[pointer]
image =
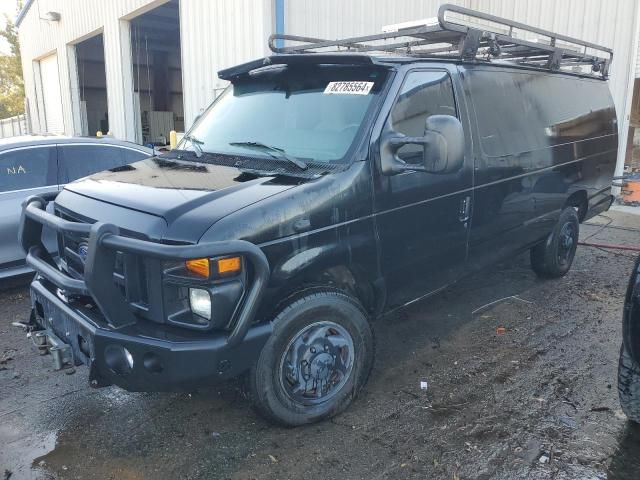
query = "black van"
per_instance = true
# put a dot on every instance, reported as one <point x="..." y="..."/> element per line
<point x="323" y="189"/>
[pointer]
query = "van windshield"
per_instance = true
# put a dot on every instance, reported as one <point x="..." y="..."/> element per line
<point x="311" y="113"/>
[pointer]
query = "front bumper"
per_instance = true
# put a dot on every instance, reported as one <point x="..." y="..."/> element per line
<point x="163" y="358"/>
<point x="119" y="348"/>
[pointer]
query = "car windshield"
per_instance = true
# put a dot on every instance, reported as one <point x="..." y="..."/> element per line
<point x="311" y="113"/>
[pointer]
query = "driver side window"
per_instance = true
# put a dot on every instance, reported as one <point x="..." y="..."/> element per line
<point x="423" y="94"/>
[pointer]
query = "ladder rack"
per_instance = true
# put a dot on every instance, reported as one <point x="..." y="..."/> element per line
<point x="471" y="36"/>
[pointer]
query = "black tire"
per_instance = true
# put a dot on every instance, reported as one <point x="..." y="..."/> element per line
<point x="553" y="257"/>
<point x="629" y="385"/>
<point x="304" y="330"/>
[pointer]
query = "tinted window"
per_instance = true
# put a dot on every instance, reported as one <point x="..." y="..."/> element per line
<point x="521" y="112"/>
<point x="569" y="109"/>
<point x="27" y="168"/>
<point x="505" y="121"/>
<point x="296" y="110"/>
<point x="423" y="94"/>
<point x="78" y="161"/>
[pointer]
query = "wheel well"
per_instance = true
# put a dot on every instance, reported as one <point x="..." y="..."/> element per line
<point x="580" y="201"/>
<point x="343" y="278"/>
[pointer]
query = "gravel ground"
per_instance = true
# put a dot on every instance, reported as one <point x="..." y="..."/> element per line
<point x="538" y="401"/>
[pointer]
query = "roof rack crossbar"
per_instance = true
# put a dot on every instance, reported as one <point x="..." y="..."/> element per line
<point x="474" y="42"/>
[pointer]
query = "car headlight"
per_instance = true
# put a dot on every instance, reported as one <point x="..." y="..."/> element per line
<point x="200" y="302"/>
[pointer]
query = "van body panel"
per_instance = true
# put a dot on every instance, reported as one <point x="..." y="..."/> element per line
<point x="419" y="216"/>
<point x="310" y="228"/>
<point x="542" y="139"/>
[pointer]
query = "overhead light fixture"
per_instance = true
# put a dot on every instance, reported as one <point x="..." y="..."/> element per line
<point x="51" y="17"/>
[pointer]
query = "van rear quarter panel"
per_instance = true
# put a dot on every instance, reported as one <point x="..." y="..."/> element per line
<point x="540" y="138"/>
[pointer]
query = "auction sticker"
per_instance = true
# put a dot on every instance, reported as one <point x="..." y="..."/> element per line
<point x="349" y="88"/>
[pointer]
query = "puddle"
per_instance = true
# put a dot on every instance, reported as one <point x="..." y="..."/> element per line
<point x="20" y="454"/>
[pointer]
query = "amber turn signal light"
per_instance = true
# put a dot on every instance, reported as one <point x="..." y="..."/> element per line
<point x="229" y="265"/>
<point x="199" y="266"/>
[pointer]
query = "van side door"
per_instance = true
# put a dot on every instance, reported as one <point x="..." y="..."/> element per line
<point x="504" y="214"/>
<point x="422" y="218"/>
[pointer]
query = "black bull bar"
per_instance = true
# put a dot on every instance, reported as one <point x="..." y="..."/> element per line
<point x="104" y="241"/>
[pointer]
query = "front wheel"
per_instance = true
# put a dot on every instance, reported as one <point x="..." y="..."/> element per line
<point x="553" y="257"/>
<point x="315" y="362"/>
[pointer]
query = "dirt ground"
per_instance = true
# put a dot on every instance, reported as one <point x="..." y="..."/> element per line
<point x="537" y="402"/>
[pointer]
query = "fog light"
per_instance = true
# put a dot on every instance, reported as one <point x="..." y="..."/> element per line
<point x="118" y="359"/>
<point x="200" y="301"/>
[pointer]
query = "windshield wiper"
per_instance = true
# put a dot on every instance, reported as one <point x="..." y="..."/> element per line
<point x="279" y="152"/>
<point x="197" y="144"/>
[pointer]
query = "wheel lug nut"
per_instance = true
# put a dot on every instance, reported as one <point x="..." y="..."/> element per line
<point x="326" y="348"/>
<point x="313" y="349"/>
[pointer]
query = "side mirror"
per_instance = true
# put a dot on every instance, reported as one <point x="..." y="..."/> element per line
<point x="442" y="148"/>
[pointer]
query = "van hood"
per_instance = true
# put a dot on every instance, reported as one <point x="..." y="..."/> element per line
<point x="189" y="196"/>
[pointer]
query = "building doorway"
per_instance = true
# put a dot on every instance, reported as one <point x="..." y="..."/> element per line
<point x="92" y="86"/>
<point x="157" y="74"/>
<point x="51" y="96"/>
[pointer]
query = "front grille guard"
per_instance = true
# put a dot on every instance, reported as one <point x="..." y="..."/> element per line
<point x="105" y="241"/>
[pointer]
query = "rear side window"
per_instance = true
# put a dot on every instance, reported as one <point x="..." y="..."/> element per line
<point x="570" y="109"/>
<point x="78" y="161"/>
<point x="505" y="120"/>
<point x="523" y="112"/>
<point x="131" y="156"/>
<point x="423" y="94"/>
<point x="27" y="168"/>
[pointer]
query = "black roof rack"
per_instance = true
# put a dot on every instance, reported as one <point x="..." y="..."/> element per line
<point x="487" y="37"/>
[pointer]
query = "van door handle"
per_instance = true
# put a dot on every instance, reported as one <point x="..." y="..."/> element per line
<point x="465" y="209"/>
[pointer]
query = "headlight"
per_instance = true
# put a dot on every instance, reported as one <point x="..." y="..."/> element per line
<point x="200" y="302"/>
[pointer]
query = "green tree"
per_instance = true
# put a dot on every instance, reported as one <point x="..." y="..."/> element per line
<point x="11" y="82"/>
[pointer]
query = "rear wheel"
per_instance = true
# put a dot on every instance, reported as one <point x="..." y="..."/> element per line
<point x="629" y="385"/>
<point x="315" y="362"/>
<point x="553" y="257"/>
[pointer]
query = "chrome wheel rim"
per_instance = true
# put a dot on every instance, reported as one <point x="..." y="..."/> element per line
<point x="317" y="363"/>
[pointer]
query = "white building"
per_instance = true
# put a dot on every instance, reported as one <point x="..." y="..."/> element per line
<point x="138" y="67"/>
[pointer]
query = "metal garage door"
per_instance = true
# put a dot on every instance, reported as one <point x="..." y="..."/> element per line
<point x="51" y="94"/>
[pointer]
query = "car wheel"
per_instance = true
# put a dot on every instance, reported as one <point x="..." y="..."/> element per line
<point x="629" y="385"/>
<point x="315" y="362"/>
<point x="553" y="257"/>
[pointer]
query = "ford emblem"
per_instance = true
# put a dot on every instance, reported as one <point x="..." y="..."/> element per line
<point x="83" y="251"/>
